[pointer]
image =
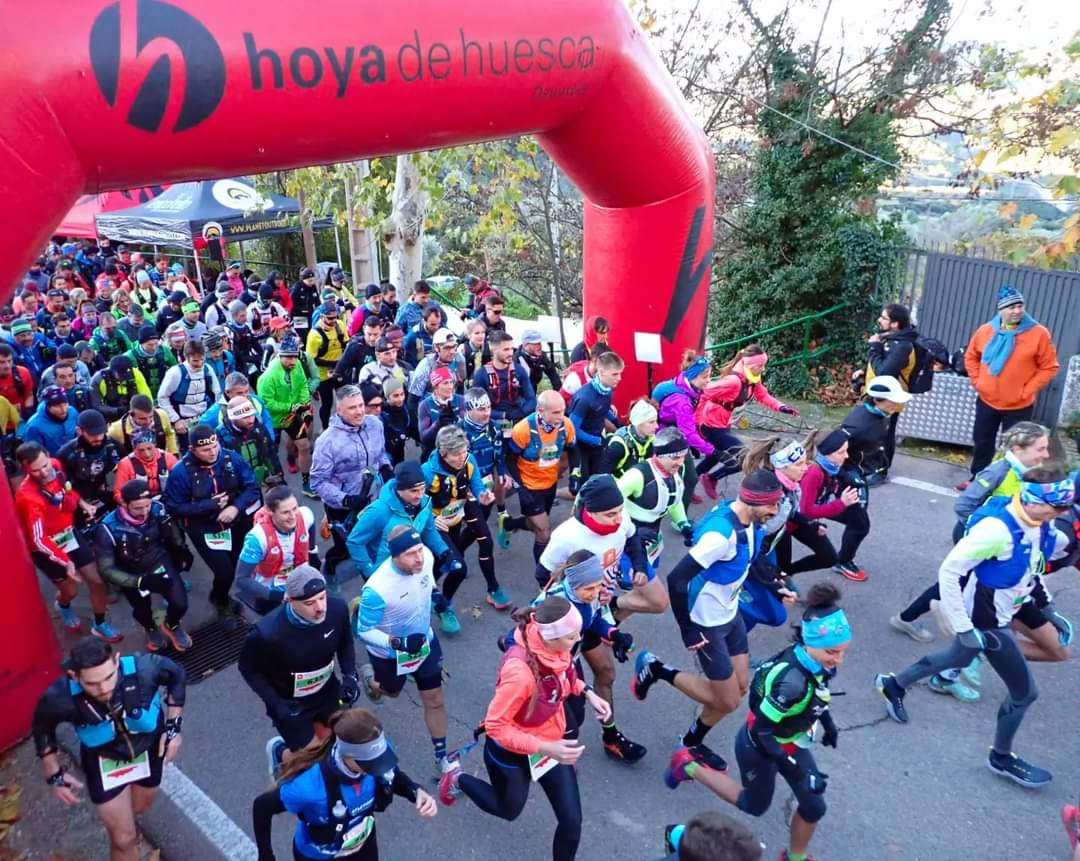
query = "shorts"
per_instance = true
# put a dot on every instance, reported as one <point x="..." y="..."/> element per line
<point x="57" y="573"/>
<point x="298" y="727"/>
<point x="296" y="425"/>
<point x="1030" y="616"/>
<point x="725" y="641"/>
<point x="536" y="502"/>
<point x="626" y="572"/>
<point x="91" y="766"/>
<point x="428" y="675"/>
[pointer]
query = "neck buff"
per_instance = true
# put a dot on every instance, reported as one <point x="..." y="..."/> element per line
<point x="297" y="619"/>
<point x="598" y="528"/>
<point x="875" y="410"/>
<point x="123" y="512"/>
<point x="829" y="467"/>
<point x="600" y="387"/>
<point x="1014" y="463"/>
<point x="545" y="426"/>
<point x="785" y="482"/>
<point x="828" y="632"/>
<point x="339" y="762"/>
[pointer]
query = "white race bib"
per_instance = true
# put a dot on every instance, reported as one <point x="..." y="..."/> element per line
<point x="549" y="456"/>
<point x="407" y="663"/>
<point x="219" y="540"/>
<point x="312" y="681"/>
<point x="120" y="772"/>
<point x="353" y="840"/>
<point x="653" y="549"/>
<point x="66" y="540"/>
<point x="453" y="512"/>
<point x="540" y="764"/>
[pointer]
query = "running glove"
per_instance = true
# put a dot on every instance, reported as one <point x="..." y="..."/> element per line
<point x="816" y="781"/>
<point x="831" y="733"/>
<point x="788" y="410"/>
<point x="621" y="644"/>
<point x="1063" y="625"/>
<point x="574" y="482"/>
<point x="350" y="688"/>
<point x="155" y="582"/>
<point x="686" y="529"/>
<point x="410" y="643"/>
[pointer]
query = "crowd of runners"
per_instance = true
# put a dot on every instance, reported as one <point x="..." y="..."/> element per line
<point x="149" y="420"/>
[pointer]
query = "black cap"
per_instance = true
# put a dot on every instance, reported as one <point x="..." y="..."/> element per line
<point x="66" y="351"/>
<point x="372" y="290"/>
<point x="382" y="345"/>
<point x="369" y="391"/>
<point x="147" y="333"/>
<point x="600" y="493"/>
<point x="120" y="365"/>
<point x="177" y="296"/>
<point x="136" y="488"/>
<point x="91" y="421"/>
<point x="409" y="474"/>
<point x="201" y="434"/>
<point x="833" y="441"/>
<point x="306" y="273"/>
<point x="266" y="291"/>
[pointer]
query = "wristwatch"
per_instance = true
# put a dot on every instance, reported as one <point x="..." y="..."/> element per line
<point x="56" y="779"/>
<point x="172" y="726"/>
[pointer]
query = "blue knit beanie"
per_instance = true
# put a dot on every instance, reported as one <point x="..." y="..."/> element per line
<point x="1007" y="296"/>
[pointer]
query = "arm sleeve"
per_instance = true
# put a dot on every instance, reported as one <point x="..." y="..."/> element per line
<point x="630" y="483"/>
<point x="106" y="559"/>
<point x="251" y="554"/>
<point x="263" y="810"/>
<point x="372" y="608"/>
<point x="514" y="689"/>
<point x="679" y="592"/>
<point x="251" y="668"/>
<point x="51" y="711"/>
<point x="987" y="539"/>
<point x="763" y="397"/>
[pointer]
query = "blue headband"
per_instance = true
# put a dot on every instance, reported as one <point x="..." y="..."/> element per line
<point x="584" y="573"/>
<point x="405" y="541"/>
<point x="700" y="364"/>
<point x="1056" y="493"/>
<point x="827" y="632"/>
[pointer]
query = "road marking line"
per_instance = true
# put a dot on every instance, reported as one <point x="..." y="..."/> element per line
<point x="923" y="485"/>
<point x="207" y="817"/>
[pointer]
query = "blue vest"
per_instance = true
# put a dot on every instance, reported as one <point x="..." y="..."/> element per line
<point x="317" y="833"/>
<point x="137" y="719"/>
<point x="532" y="450"/>
<point x="1006" y="573"/>
<point x="735" y="568"/>
<point x="179" y="396"/>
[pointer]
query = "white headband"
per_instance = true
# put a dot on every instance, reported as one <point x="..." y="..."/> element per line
<point x="790" y="454"/>
<point x="568" y="624"/>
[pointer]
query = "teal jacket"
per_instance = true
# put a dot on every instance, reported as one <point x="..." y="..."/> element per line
<point x="368" y="539"/>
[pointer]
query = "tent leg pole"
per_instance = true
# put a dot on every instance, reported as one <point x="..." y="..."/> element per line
<point x="243" y="260"/>
<point x="337" y="243"/>
<point x="198" y="270"/>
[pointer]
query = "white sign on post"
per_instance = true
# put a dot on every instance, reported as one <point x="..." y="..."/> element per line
<point x="647" y="347"/>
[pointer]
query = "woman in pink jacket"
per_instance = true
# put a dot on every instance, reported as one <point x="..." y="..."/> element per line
<point x="738" y="382"/>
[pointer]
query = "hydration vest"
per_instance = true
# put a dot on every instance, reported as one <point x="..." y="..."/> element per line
<point x="651" y="504"/>
<point x="152" y="367"/>
<point x="532" y="450"/>
<point x="324" y="345"/>
<point x="118" y="393"/>
<point x="158" y="478"/>
<point x="95" y="730"/>
<point x="179" y="396"/>
<point x="138" y="548"/>
<point x="1006" y="573"/>
<point x="743" y="558"/>
<point x="634" y="451"/>
<point x="344" y="832"/>
<point x="547" y="698"/>
<point x="272" y="560"/>
<point x="495" y="391"/>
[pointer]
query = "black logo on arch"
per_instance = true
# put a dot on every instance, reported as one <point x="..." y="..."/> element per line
<point x="203" y="72"/>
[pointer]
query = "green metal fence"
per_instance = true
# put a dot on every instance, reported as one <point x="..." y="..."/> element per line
<point x="805" y="355"/>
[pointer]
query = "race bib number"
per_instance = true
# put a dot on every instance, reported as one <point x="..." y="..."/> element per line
<point x="654" y="548"/>
<point x="282" y="577"/>
<point x="354" y="839"/>
<point x="66" y="540"/>
<point x="121" y="772"/>
<point x="549" y="456"/>
<point x="300" y="322"/>
<point x="219" y="540"/>
<point x="407" y="663"/>
<point x="489" y="482"/>
<point x="540" y="764"/>
<point x="453" y="512"/>
<point x="507" y="428"/>
<point x="311" y="682"/>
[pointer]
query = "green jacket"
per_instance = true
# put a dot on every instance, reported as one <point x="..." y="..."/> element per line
<point x="280" y="390"/>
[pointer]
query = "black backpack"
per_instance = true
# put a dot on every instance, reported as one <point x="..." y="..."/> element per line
<point x="927" y="352"/>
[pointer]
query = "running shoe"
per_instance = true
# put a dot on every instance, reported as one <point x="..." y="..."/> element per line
<point x="695" y="499"/>
<point x="499" y="599"/>
<point x="502" y="534"/>
<point x="1070" y="818"/>
<point x="672" y="834"/>
<point x="448" y="782"/>
<point x="675" y="773"/>
<point x="889" y="688"/>
<point x="851" y="571"/>
<point x="306" y="489"/>
<point x="913" y="629"/>
<point x="708" y="483"/>
<point x="785" y="857"/>
<point x="449" y="621"/>
<point x="1011" y="766"/>
<point x="155" y="640"/>
<point x="290" y="462"/>
<point x="180" y="639"/>
<point x="618" y="746"/>
<point x="275" y="750"/>
<point x="229" y="615"/>
<point x="68" y="616"/>
<point x="643" y="677"/>
<point x="972" y="673"/>
<point x="106" y="632"/>
<point x="939" y="684"/>
<point x="709" y="757"/>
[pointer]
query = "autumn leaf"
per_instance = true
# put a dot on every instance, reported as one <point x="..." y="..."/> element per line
<point x="1027" y="220"/>
<point x="980" y="157"/>
<point x="1007" y="210"/>
<point x="1064" y="137"/>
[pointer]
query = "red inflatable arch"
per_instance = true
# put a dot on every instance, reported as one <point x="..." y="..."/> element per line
<point x="147" y="91"/>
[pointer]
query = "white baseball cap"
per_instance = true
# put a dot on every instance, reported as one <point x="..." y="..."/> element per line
<point x="443" y="336"/>
<point x="888" y="389"/>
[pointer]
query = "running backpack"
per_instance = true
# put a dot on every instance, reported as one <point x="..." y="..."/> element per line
<point x="927" y="352"/>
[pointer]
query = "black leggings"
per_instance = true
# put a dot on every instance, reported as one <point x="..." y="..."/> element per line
<point x="921" y="605"/>
<point x="856" y="527"/>
<point x="174" y="593"/>
<point x="1004" y="655"/>
<point x="508" y="791"/>
<point x="823" y="556"/>
<point x="326" y="401"/>
<point x="473" y="527"/>
<point x="759" y="772"/>
<point x="727" y="453"/>
<point x="222" y="563"/>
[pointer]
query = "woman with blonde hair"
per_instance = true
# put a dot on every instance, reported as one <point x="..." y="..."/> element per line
<point x="335" y="789"/>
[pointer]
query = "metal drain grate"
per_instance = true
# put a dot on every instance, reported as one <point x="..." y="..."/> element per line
<point x="214" y="648"/>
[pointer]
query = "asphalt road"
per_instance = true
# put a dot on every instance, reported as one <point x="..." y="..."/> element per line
<point x="919" y="792"/>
